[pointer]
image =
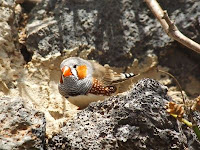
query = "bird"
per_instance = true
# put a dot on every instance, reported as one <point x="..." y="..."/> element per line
<point x="85" y="81"/>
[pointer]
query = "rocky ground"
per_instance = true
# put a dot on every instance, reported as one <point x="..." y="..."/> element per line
<point x="36" y="37"/>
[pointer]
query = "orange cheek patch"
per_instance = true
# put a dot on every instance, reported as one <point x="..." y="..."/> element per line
<point x="66" y="71"/>
<point x="82" y="71"/>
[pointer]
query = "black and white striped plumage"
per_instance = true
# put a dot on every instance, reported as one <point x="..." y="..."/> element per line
<point x="84" y="81"/>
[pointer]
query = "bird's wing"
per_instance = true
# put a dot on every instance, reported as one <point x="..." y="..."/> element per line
<point x="107" y="76"/>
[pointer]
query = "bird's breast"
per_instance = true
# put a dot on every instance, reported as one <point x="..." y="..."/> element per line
<point x="82" y="101"/>
<point x="72" y="86"/>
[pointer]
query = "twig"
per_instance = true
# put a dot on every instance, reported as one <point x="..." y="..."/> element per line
<point x="169" y="27"/>
<point x="179" y="86"/>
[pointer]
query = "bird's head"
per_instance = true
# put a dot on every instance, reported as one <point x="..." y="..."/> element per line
<point x="73" y="67"/>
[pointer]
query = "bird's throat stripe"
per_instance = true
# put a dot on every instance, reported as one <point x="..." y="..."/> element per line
<point x="61" y="80"/>
<point x="82" y="71"/>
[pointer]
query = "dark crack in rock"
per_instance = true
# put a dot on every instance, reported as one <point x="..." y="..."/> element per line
<point x="20" y="127"/>
<point x="135" y="120"/>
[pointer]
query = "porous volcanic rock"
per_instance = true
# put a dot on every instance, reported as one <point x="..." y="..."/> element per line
<point x="133" y="120"/>
<point x="123" y="29"/>
<point x="20" y="127"/>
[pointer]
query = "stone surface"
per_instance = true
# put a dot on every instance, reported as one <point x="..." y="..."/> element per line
<point x="11" y="59"/>
<point x="18" y="79"/>
<point x="21" y="127"/>
<point x="119" y="33"/>
<point x="124" y="29"/>
<point x="133" y="120"/>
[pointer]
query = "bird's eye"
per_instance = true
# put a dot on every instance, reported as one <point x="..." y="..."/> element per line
<point x="74" y="66"/>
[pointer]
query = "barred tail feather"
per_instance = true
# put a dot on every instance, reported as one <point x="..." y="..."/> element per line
<point x="122" y="77"/>
<point x="127" y="75"/>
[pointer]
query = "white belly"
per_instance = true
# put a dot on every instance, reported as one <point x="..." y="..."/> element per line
<point x="83" y="101"/>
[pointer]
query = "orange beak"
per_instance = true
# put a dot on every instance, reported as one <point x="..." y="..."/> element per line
<point x="66" y="71"/>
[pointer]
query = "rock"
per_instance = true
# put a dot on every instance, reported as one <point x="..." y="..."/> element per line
<point x="124" y="29"/>
<point x="112" y="32"/>
<point x="6" y="17"/>
<point x="11" y="59"/>
<point x="133" y="120"/>
<point x="20" y="127"/>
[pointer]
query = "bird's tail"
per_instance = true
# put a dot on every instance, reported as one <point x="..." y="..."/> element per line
<point x="122" y="77"/>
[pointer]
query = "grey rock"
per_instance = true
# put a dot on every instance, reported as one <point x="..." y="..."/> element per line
<point x="8" y="3"/>
<point x="123" y="29"/>
<point x="20" y="127"/>
<point x="135" y="120"/>
<point x="6" y="20"/>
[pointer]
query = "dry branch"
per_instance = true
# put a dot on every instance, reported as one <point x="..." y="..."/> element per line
<point x="169" y="27"/>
